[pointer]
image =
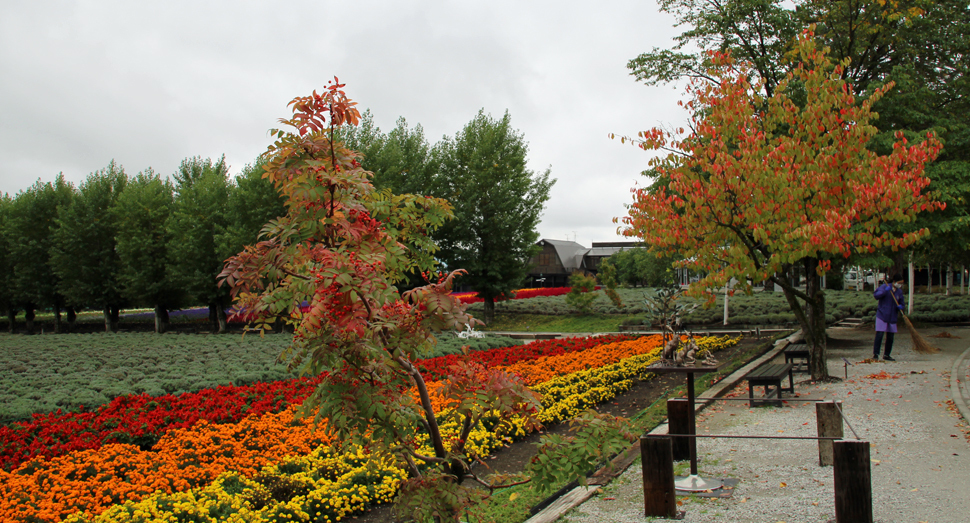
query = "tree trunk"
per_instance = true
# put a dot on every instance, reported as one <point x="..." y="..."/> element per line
<point x="949" y="280"/>
<point x="929" y="279"/>
<point x="57" y="319"/>
<point x="71" y="319"/>
<point x="213" y="319"/>
<point x="221" y="317"/>
<point x="161" y="319"/>
<point x="111" y="313"/>
<point x="29" y="316"/>
<point x="815" y="329"/>
<point x="811" y="316"/>
<point x="489" y="310"/>
<point x="11" y="319"/>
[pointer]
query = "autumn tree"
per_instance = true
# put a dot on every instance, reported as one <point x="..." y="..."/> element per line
<point x="342" y="247"/>
<point x="919" y="45"/>
<point x="762" y="183"/>
<point x="498" y="203"/>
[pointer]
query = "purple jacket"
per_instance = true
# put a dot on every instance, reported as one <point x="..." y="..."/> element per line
<point x="887" y="310"/>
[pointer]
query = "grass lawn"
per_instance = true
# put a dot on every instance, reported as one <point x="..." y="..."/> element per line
<point x="559" y="322"/>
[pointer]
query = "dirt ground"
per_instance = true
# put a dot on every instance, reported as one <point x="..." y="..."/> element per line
<point x="514" y="457"/>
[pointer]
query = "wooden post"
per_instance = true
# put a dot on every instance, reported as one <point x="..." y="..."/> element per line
<point x="678" y="422"/>
<point x="656" y="454"/>
<point x="853" y="482"/>
<point x="829" y="423"/>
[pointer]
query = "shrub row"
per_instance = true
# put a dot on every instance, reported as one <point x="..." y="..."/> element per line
<point x="69" y="371"/>
<point x="764" y="308"/>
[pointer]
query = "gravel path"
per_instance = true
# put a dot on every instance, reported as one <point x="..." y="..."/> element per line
<point x="920" y="445"/>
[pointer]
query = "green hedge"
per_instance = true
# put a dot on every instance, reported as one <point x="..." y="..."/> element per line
<point x="761" y="308"/>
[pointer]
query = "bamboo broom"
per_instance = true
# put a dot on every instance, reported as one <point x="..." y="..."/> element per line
<point x="920" y="344"/>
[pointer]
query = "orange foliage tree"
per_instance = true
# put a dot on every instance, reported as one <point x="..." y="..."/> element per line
<point x="342" y="248"/>
<point x="761" y="184"/>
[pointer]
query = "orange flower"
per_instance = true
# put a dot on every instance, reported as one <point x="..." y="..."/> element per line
<point x="94" y="480"/>
<point x="547" y="367"/>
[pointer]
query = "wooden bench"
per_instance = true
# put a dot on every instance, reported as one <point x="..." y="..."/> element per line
<point x="769" y="377"/>
<point x="797" y="351"/>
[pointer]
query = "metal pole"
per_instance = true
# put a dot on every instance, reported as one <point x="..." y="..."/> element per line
<point x="693" y="422"/>
<point x="726" y="296"/>
<point x="912" y="283"/>
<point x="838" y="406"/>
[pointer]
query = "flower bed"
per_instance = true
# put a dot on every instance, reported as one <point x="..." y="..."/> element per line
<point x="323" y="486"/>
<point x="141" y="419"/>
<point x="520" y="294"/>
<point x="188" y="471"/>
<point x="567" y="395"/>
<point x="436" y="368"/>
<point x="547" y="367"/>
<point x="93" y="480"/>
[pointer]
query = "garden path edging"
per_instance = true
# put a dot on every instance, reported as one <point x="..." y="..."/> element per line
<point x="580" y="494"/>
<point x="959" y="389"/>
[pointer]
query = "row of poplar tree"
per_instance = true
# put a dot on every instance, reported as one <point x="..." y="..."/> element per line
<point x="148" y="240"/>
<point x="118" y="240"/>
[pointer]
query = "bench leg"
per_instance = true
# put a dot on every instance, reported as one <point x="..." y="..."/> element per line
<point x="791" y="382"/>
<point x="772" y="394"/>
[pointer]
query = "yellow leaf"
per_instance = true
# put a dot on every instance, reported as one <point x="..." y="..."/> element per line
<point x="783" y="484"/>
<point x="513" y="496"/>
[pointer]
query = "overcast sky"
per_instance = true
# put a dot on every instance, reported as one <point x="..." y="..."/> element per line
<point x="148" y="84"/>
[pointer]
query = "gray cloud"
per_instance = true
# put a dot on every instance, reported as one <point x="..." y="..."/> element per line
<point x="151" y="84"/>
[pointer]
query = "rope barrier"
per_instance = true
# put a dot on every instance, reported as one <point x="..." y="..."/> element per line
<point x="732" y="436"/>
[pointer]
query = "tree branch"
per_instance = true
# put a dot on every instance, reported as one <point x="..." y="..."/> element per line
<point x="491" y="487"/>
<point x="433" y="430"/>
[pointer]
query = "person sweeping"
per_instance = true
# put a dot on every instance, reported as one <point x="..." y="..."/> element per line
<point x="887" y="315"/>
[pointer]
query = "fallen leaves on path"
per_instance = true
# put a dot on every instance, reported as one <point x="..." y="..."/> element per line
<point x="882" y="375"/>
